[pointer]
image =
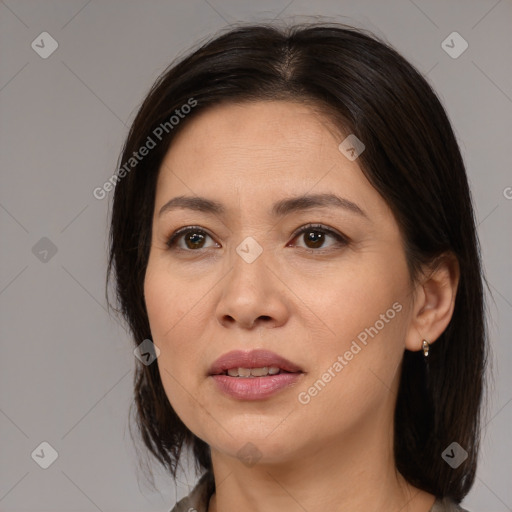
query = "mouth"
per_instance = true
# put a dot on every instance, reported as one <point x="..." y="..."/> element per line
<point x="254" y="375"/>
<point x="250" y="373"/>
<point x="252" y="364"/>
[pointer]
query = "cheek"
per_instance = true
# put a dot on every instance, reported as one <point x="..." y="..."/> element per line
<point x="175" y="329"/>
<point x="170" y="314"/>
<point x="345" y="299"/>
<point x="365" y="309"/>
<point x="357" y="374"/>
<point x="172" y="300"/>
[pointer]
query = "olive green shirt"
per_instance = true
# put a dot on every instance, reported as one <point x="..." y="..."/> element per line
<point x="199" y="497"/>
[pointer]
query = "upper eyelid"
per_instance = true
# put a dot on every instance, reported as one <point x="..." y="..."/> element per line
<point x="318" y="226"/>
<point x="175" y="235"/>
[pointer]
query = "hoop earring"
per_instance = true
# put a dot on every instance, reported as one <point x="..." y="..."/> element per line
<point x="426" y="347"/>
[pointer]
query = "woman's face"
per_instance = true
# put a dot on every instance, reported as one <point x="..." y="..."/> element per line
<point x="244" y="278"/>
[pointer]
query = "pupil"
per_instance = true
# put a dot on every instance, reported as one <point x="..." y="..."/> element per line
<point x="319" y="238"/>
<point x="197" y="237"/>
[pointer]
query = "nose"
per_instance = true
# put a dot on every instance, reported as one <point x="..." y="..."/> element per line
<point x="252" y="295"/>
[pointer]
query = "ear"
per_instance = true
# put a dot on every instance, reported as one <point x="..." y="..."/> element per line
<point x="434" y="301"/>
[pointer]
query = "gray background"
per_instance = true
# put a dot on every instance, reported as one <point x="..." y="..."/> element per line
<point x="66" y="366"/>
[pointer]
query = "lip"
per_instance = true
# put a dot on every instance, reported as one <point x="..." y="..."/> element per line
<point x="251" y="359"/>
<point x="253" y="388"/>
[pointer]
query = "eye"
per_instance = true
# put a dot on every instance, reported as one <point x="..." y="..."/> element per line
<point x="315" y="236"/>
<point x="192" y="236"/>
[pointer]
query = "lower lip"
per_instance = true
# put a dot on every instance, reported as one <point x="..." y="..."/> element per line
<point x="255" y="388"/>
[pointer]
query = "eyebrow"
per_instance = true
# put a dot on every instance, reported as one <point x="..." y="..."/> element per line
<point x="279" y="209"/>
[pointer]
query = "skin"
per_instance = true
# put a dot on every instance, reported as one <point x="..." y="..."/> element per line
<point x="304" y="301"/>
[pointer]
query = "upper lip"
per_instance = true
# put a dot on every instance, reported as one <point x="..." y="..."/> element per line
<point x="251" y="359"/>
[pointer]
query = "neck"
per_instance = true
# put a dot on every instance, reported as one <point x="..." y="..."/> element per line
<point x="354" y="473"/>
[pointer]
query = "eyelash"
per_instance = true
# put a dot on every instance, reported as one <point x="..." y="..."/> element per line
<point x="340" y="239"/>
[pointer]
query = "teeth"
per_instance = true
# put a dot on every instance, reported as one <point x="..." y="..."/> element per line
<point x="253" y="372"/>
<point x="244" y="372"/>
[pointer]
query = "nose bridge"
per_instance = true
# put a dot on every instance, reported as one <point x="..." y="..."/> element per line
<point x="249" y="265"/>
<point x="250" y="250"/>
<point x="250" y="290"/>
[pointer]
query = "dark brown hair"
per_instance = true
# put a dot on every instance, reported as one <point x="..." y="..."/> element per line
<point x="411" y="158"/>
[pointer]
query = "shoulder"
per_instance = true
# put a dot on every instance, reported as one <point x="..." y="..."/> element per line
<point x="446" y="505"/>
<point x="197" y="499"/>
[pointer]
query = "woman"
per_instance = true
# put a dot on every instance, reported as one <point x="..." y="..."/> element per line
<point x="292" y="229"/>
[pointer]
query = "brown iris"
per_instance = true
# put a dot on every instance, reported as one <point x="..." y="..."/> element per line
<point x="195" y="237"/>
<point x="315" y="237"/>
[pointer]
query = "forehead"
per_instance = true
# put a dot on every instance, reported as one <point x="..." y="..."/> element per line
<point x="266" y="128"/>
<point x="262" y="119"/>
<point x="265" y="149"/>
